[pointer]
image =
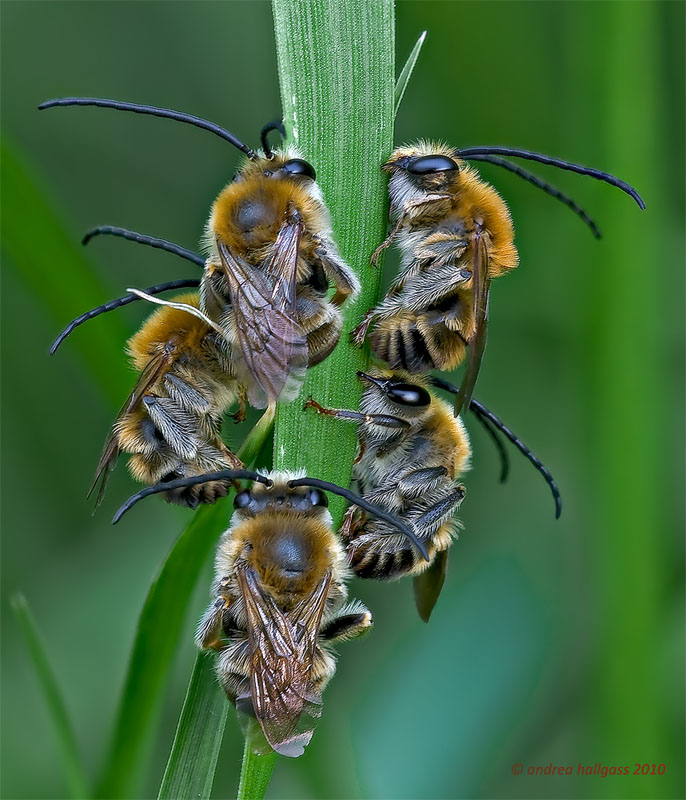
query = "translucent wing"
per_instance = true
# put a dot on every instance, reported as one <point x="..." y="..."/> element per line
<point x="272" y="344"/>
<point x="152" y="372"/>
<point x="477" y="342"/>
<point x="282" y="647"/>
<point x="428" y="585"/>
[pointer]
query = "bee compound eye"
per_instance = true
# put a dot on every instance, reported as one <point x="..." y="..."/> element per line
<point x="407" y="394"/>
<point x="318" y="498"/>
<point x="242" y="499"/>
<point x="296" y="166"/>
<point x="425" y="165"/>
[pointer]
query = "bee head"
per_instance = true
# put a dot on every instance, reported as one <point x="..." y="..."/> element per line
<point x="399" y="394"/>
<point x="278" y="497"/>
<point x="423" y="168"/>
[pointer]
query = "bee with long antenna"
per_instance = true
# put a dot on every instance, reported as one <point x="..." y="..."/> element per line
<point x="271" y="257"/>
<point x="279" y="599"/>
<point x="455" y="235"/>
<point x="171" y="422"/>
<point x="412" y="451"/>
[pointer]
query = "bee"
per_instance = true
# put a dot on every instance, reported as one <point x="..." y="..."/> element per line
<point x="412" y="451"/>
<point x="279" y="600"/>
<point x="171" y="422"/>
<point x="270" y="259"/>
<point x="455" y="235"/>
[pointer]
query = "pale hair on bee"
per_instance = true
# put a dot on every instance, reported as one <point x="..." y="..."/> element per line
<point x="271" y="259"/>
<point x="279" y="599"/>
<point x="455" y="234"/>
<point x="412" y="451"/>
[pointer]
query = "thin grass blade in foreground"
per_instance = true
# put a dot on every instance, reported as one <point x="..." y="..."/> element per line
<point x="193" y="758"/>
<point x="406" y="73"/>
<point x="157" y="636"/>
<point x="75" y="774"/>
<point x="190" y="771"/>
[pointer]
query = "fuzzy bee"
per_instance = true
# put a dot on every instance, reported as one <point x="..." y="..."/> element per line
<point x="171" y="422"/>
<point x="455" y="235"/>
<point x="412" y="451"/>
<point x="271" y="257"/>
<point x="279" y="600"/>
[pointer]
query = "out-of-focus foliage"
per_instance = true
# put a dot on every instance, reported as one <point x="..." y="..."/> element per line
<point x="554" y="642"/>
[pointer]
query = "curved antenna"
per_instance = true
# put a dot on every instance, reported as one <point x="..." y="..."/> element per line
<point x="482" y="411"/>
<point x="554" y="162"/>
<point x="182" y="483"/>
<point x="499" y="446"/>
<point x="118" y="303"/>
<point x="548" y="188"/>
<point x="154" y="111"/>
<point x="141" y="238"/>
<point x="277" y="125"/>
<point x="366" y="505"/>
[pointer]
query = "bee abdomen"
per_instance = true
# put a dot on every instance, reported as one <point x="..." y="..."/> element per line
<point x="401" y="345"/>
<point x="369" y="560"/>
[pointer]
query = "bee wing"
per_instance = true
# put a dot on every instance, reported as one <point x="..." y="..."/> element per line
<point x="272" y="344"/>
<point x="282" y="648"/>
<point x="428" y="584"/>
<point x="477" y="342"/>
<point x="152" y="372"/>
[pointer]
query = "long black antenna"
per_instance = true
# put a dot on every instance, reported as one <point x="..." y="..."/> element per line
<point x="554" y="162"/>
<point x="548" y="188"/>
<point x="497" y="441"/>
<point x="182" y="483"/>
<point x="141" y="238"/>
<point x="154" y="111"/>
<point x="482" y="411"/>
<point x="366" y="505"/>
<point x="118" y="303"/>
<point x="277" y="125"/>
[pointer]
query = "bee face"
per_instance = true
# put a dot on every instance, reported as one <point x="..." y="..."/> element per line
<point x="279" y="498"/>
<point x="428" y="167"/>
<point x="396" y="394"/>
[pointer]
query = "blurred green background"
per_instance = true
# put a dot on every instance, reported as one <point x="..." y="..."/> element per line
<point x="554" y="641"/>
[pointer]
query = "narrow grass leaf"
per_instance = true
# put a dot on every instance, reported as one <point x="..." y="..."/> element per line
<point x="193" y="759"/>
<point x="159" y="629"/>
<point x="406" y="73"/>
<point x="76" y="777"/>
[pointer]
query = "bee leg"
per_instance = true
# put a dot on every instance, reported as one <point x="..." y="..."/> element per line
<point x="239" y="415"/>
<point x="417" y="483"/>
<point x="431" y="519"/>
<point x="209" y="633"/>
<point x="387" y="241"/>
<point x="356" y="416"/>
<point x="337" y="270"/>
<point x="351" y="621"/>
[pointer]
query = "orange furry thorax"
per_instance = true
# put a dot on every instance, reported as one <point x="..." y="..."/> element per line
<point x="248" y="213"/>
<point x="165" y="326"/>
<point x="273" y="541"/>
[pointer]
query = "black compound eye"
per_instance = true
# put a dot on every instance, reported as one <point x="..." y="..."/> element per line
<point x="407" y="394"/>
<point x="318" y="498"/>
<point x="425" y="165"/>
<point x="242" y="499"/>
<point x="296" y="166"/>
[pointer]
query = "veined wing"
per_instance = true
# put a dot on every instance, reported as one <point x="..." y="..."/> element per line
<point x="477" y="342"/>
<point x="152" y="372"/>
<point x="272" y="344"/>
<point x="282" y="649"/>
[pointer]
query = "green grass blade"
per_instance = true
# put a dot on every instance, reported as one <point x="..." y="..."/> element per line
<point x="157" y="635"/>
<point x="193" y="759"/>
<point x="406" y="73"/>
<point x="336" y="64"/>
<point x="159" y="629"/>
<point x="73" y="768"/>
<point x="256" y="772"/>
